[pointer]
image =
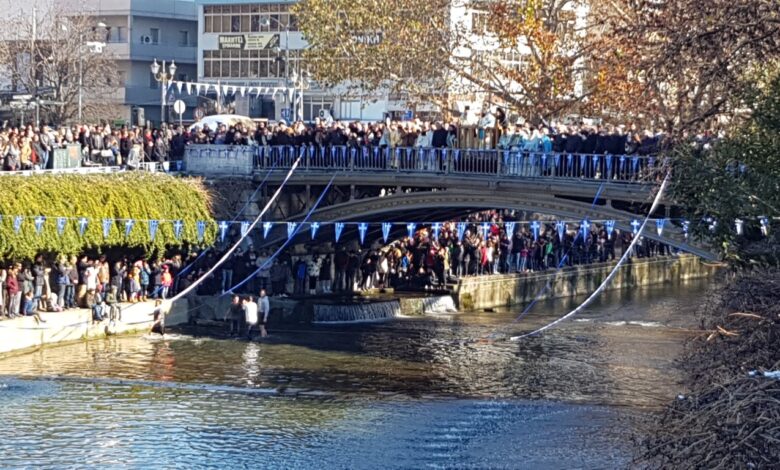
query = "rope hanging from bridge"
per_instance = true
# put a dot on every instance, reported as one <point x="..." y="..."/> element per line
<point x="608" y="279"/>
<point x="230" y="251"/>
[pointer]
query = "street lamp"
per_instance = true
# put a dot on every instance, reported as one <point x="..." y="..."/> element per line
<point x="291" y="82"/>
<point x="164" y="78"/>
<point x="81" y="65"/>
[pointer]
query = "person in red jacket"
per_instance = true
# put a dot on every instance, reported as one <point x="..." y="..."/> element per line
<point x="167" y="281"/>
<point x="14" y="293"/>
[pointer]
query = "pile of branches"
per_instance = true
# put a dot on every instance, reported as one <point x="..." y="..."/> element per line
<point x="731" y="417"/>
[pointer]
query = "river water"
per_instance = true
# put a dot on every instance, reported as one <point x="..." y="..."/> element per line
<point x="433" y="392"/>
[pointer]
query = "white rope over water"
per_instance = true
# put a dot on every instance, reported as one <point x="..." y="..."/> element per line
<point x="227" y="255"/>
<point x="611" y="274"/>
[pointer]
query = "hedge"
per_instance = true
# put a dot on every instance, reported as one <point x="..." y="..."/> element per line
<point x="133" y="195"/>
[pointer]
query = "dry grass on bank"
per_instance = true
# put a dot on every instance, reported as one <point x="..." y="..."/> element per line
<point x="731" y="418"/>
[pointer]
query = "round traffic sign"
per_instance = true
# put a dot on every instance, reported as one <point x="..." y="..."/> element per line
<point x="179" y="106"/>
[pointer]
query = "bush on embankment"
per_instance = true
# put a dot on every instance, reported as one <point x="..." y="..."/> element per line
<point x="130" y="195"/>
<point x="731" y="418"/>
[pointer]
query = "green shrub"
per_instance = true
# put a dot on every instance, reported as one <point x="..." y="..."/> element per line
<point x="138" y="196"/>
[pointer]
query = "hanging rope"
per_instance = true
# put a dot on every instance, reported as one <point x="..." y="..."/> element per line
<point x="608" y="279"/>
<point x="230" y="251"/>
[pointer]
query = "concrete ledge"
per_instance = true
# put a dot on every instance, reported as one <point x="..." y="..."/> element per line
<point x="74" y="325"/>
<point x="497" y="291"/>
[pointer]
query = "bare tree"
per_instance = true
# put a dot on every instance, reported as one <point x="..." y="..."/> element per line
<point x="58" y="55"/>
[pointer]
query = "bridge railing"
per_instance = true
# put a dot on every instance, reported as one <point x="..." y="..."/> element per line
<point x="216" y="159"/>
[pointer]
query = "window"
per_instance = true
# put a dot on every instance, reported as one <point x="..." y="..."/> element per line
<point x="249" y="18"/>
<point x="154" y="33"/>
<point x="152" y="81"/>
<point x="251" y="64"/>
<point x="117" y="34"/>
<point x="184" y="38"/>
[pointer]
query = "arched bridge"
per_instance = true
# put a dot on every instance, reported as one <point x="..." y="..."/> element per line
<point x="435" y="185"/>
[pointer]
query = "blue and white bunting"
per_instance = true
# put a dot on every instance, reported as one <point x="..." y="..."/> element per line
<point x="764" y="221"/>
<point x="245" y="228"/>
<point x="18" y="223"/>
<point x="436" y="230"/>
<point x="178" y="226"/>
<point x="291" y="226"/>
<point x="686" y="228"/>
<point x="610" y="226"/>
<point x="61" y="223"/>
<point x="560" y="226"/>
<point x="338" y="230"/>
<point x="535" y="226"/>
<point x="509" y="227"/>
<point x="153" y="225"/>
<point x="635" y="224"/>
<point x="585" y="228"/>
<point x="267" y="226"/>
<point x="201" y="230"/>
<point x="461" y="228"/>
<point x="386" y="227"/>
<point x="411" y="229"/>
<point x="39" y="221"/>
<point x="739" y="224"/>
<point x="713" y="224"/>
<point x="314" y="226"/>
<point x="659" y="226"/>
<point x="107" y="223"/>
<point x="129" y="224"/>
<point x="223" y="230"/>
<point x="486" y="230"/>
<point x="362" y="229"/>
<point x="83" y="222"/>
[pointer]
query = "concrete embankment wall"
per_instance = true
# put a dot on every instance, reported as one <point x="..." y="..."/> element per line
<point x="27" y="333"/>
<point x="498" y="291"/>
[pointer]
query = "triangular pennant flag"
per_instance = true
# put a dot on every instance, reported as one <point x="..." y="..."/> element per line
<point x="201" y="230"/>
<point x="129" y="224"/>
<point x="314" y="226"/>
<point x="267" y="226"/>
<point x="223" y="229"/>
<point x="338" y="228"/>
<point x="585" y="228"/>
<point x="107" y="223"/>
<point x="242" y="90"/>
<point x="153" y="225"/>
<point x="362" y="229"/>
<point x="560" y="226"/>
<point x="39" y="221"/>
<point x="764" y="221"/>
<point x="610" y="226"/>
<point x="178" y="86"/>
<point x="386" y="227"/>
<point x="686" y="228"/>
<point x="740" y="226"/>
<point x="485" y="230"/>
<point x="659" y="226"/>
<point x="410" y="229"/>
<point x="61" y="222"/>
<point x="635" y="224"/>
<point x="291" y="226"/>
<point x="436" y="230"/>
<point x="224" y="90"/>
<point x="83" y="222"/>
<point x="178" y="226"/>
<point x="18" y="223"/>
<point x="190" y="87"/>
<point x="461" y="228"/>
<point x="535" y="226"/>
<point x="245" y="228"/>
<point x="509" y="227"/>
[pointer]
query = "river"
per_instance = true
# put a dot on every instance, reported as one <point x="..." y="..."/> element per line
<point x="432" y="392"/>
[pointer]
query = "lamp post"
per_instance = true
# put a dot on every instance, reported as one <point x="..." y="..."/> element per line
<point x="291" y="82"/>
<point x="165" y="79"/>
<point x="81" y="66"/>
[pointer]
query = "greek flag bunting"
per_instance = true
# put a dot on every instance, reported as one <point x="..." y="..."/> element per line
<point x="386" y="226"/>
<point x="83" y="222"/>
<point x="245" y="228"/>
<point x="362" y="229"/>
<point x="585" y="227"/>
<point x="61" y="223"/>
<point x="635" y="225"/>
<point x="338" y="229"/>
<point x="659" y="226"/>
<point x="129" y="224"/>
<point x="178" y="226"/>
<point x="535" y="225"/>
<point x="764" y="221"/>
<point x="201" y="230"/>
<point x="223" y="229"/>
<point x="739" y="224"/>
<point x="314" y="226"/>
<point x="485" y="230"/>
<point x="461" y="228"/>
<point x="610" y="226"/>
<point x="509" y="227"/>
<point x="436" y="230"/>
<point x="39" y="221"/>
<point x="18" y="223"/>
<point x="686" y="228"/>
<point x="411" y="228"/>
<point x="267" y="226"/>
<point x="107" y="223"/>
<point x="291" y="226"/>
<point x="560" y="226"/>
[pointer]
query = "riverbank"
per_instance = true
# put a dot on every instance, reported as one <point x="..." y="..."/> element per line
<point x="731" y="417"/>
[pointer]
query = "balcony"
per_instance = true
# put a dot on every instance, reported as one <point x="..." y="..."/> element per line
<point x="148" y="52"/>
